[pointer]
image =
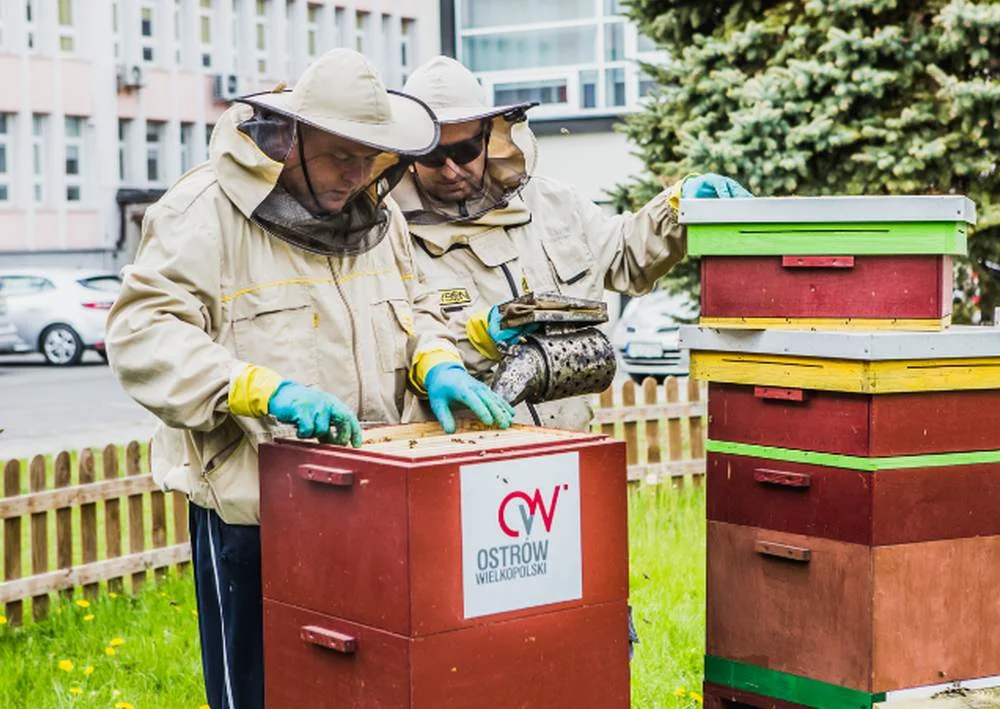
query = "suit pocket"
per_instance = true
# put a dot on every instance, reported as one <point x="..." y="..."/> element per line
<point x="281" y="336"/>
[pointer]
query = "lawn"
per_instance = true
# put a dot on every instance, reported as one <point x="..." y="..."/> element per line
<point x="142" y="652"/>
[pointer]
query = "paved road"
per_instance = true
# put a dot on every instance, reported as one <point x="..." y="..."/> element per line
<point x="45" y="409"/>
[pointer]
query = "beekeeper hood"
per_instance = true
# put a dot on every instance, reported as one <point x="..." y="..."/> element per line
<point x="455" y="96"/>
<point x="339" y="93"/>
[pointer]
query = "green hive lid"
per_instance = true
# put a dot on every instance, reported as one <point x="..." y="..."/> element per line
<point x="827" y="226"/>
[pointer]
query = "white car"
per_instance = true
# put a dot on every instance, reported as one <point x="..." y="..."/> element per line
<point x="10" y="341"/>
<point x="59" y="312"/>
<point x="646" y="335"/>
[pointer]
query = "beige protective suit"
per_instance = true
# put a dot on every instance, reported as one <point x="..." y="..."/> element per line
<point x="540" y="235"/>
<point x="211" y="292"/>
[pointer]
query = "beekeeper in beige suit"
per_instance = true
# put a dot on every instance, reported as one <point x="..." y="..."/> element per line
<point x="487" y="229"/>
<point x="274" y="285"/>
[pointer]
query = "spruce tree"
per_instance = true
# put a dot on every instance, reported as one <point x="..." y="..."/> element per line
<point x="813" y="97"/>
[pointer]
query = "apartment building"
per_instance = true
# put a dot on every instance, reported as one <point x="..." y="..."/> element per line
<point x="577" y="58"/>
<point x="104" y="103"/>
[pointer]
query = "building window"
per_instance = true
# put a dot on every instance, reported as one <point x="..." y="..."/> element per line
<point x="6" y="124"/>
<point x="208" y="138"/>
<point x="260" y="25"/>
<point x="147" y="32"/>
<point x="490" y="13"/>
<point x="187" y="145"/>
<point x="38" y="125"/>
<point x="406" y="39"/>
<point x="178" y="42"/>
<point x="614" y="41"/>
<point x="124" y="129"/>
<point x="31" y="24"/>
<point x="645" y="44"/>
<point x="312" y="30"/>
<point x="544" y="91"/>
<point x="205" y="30"/>
<point x="530" y="49"/>
<point x="236" y="34"/>
<point x="154" y="141"/>
<point x="67" y="35"/>
<point x="613" y="7"/>
<point x="588" y="88"/>
<point x="116" y="29"/>
<point x="646" y="84"/>
<point x="74" y="158"/>
<point x="614" y="87"/>
<point x="360" y="31"/>
<point x="339" y="28"/>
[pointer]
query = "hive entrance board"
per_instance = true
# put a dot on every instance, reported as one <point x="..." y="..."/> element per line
<point x="424" y="440"/>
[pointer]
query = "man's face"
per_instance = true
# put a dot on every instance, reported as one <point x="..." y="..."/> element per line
<point x="455" y="180"/>
<point x="338" y="169"/>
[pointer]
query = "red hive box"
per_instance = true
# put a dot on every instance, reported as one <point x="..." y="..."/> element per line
<point x="827" y="263"/>
<point x="427" y="571"/>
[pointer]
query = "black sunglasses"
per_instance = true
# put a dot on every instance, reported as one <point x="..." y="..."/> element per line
<point x="461" y="153"/>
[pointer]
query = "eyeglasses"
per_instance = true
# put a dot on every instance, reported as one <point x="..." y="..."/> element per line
<point x="461" y="153"/>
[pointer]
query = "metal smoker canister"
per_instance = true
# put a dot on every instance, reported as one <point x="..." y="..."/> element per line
<point x="555" y="365"/>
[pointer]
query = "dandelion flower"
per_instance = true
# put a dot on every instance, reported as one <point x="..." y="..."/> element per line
<point x="680" y="692"/>
<point x="115" y="642"/>
<point x="194" y="613"/>
<point x="110" y="651"/>
<point x="88" y="670"/>
<point x="112" y="594"/>
<point x="65" y="665"/>
<point x="89" y="617"/>
<point x="123" y="705"/>
<point x="3" y="620"/>
<point x="82" y="603"/>
<point x="204" y="706"/>
<point x="75" y="691"/>
<point x="696" y="696"/>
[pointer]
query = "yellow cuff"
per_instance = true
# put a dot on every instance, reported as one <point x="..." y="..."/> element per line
<point x="674" y="191"/>
<point x="251" y="389"/>
<point x="424" y="362"/>
<point x="478" y="332"/>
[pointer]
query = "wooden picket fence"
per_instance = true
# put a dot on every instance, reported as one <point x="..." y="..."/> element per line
<point x="49" y="514"/>
<point x="664" y="433"/>
<point x="118" y="528"/>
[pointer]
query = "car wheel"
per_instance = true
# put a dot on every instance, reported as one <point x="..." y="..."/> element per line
<point x="61" y="345"/>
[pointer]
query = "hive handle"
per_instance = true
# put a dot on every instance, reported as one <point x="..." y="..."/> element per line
<point x="329" y="639"/>
<point x="779" y="393"/>
<point x="783" y="478"/>
<point x="786" y="552"/>
<point x="817" y="261"/>
<point x="323" y="475"/>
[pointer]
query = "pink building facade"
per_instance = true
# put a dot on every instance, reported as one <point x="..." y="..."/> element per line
<point x="105" y="103"/>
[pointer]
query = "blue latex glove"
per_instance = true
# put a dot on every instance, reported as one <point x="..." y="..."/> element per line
<point x="506" y="336"/>
<point x="712" y="186"/>
<point x="314" y="412"/>
<point x="448" y="383"/>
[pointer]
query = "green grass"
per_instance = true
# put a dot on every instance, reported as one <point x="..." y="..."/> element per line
<point x="667" y="590"/>
<point x="158" y="665"/>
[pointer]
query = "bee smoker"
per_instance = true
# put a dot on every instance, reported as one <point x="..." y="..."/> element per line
<point x="564" y="355"/>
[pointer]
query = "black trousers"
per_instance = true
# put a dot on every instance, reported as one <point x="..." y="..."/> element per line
<point x="226" y="560"/>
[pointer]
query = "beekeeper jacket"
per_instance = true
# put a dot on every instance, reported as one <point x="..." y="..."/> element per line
<point x="211" y="292"/>
<point x="550" y="238"/>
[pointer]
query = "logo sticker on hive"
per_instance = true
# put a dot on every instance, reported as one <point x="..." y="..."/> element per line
<point x="521" y="533"/>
